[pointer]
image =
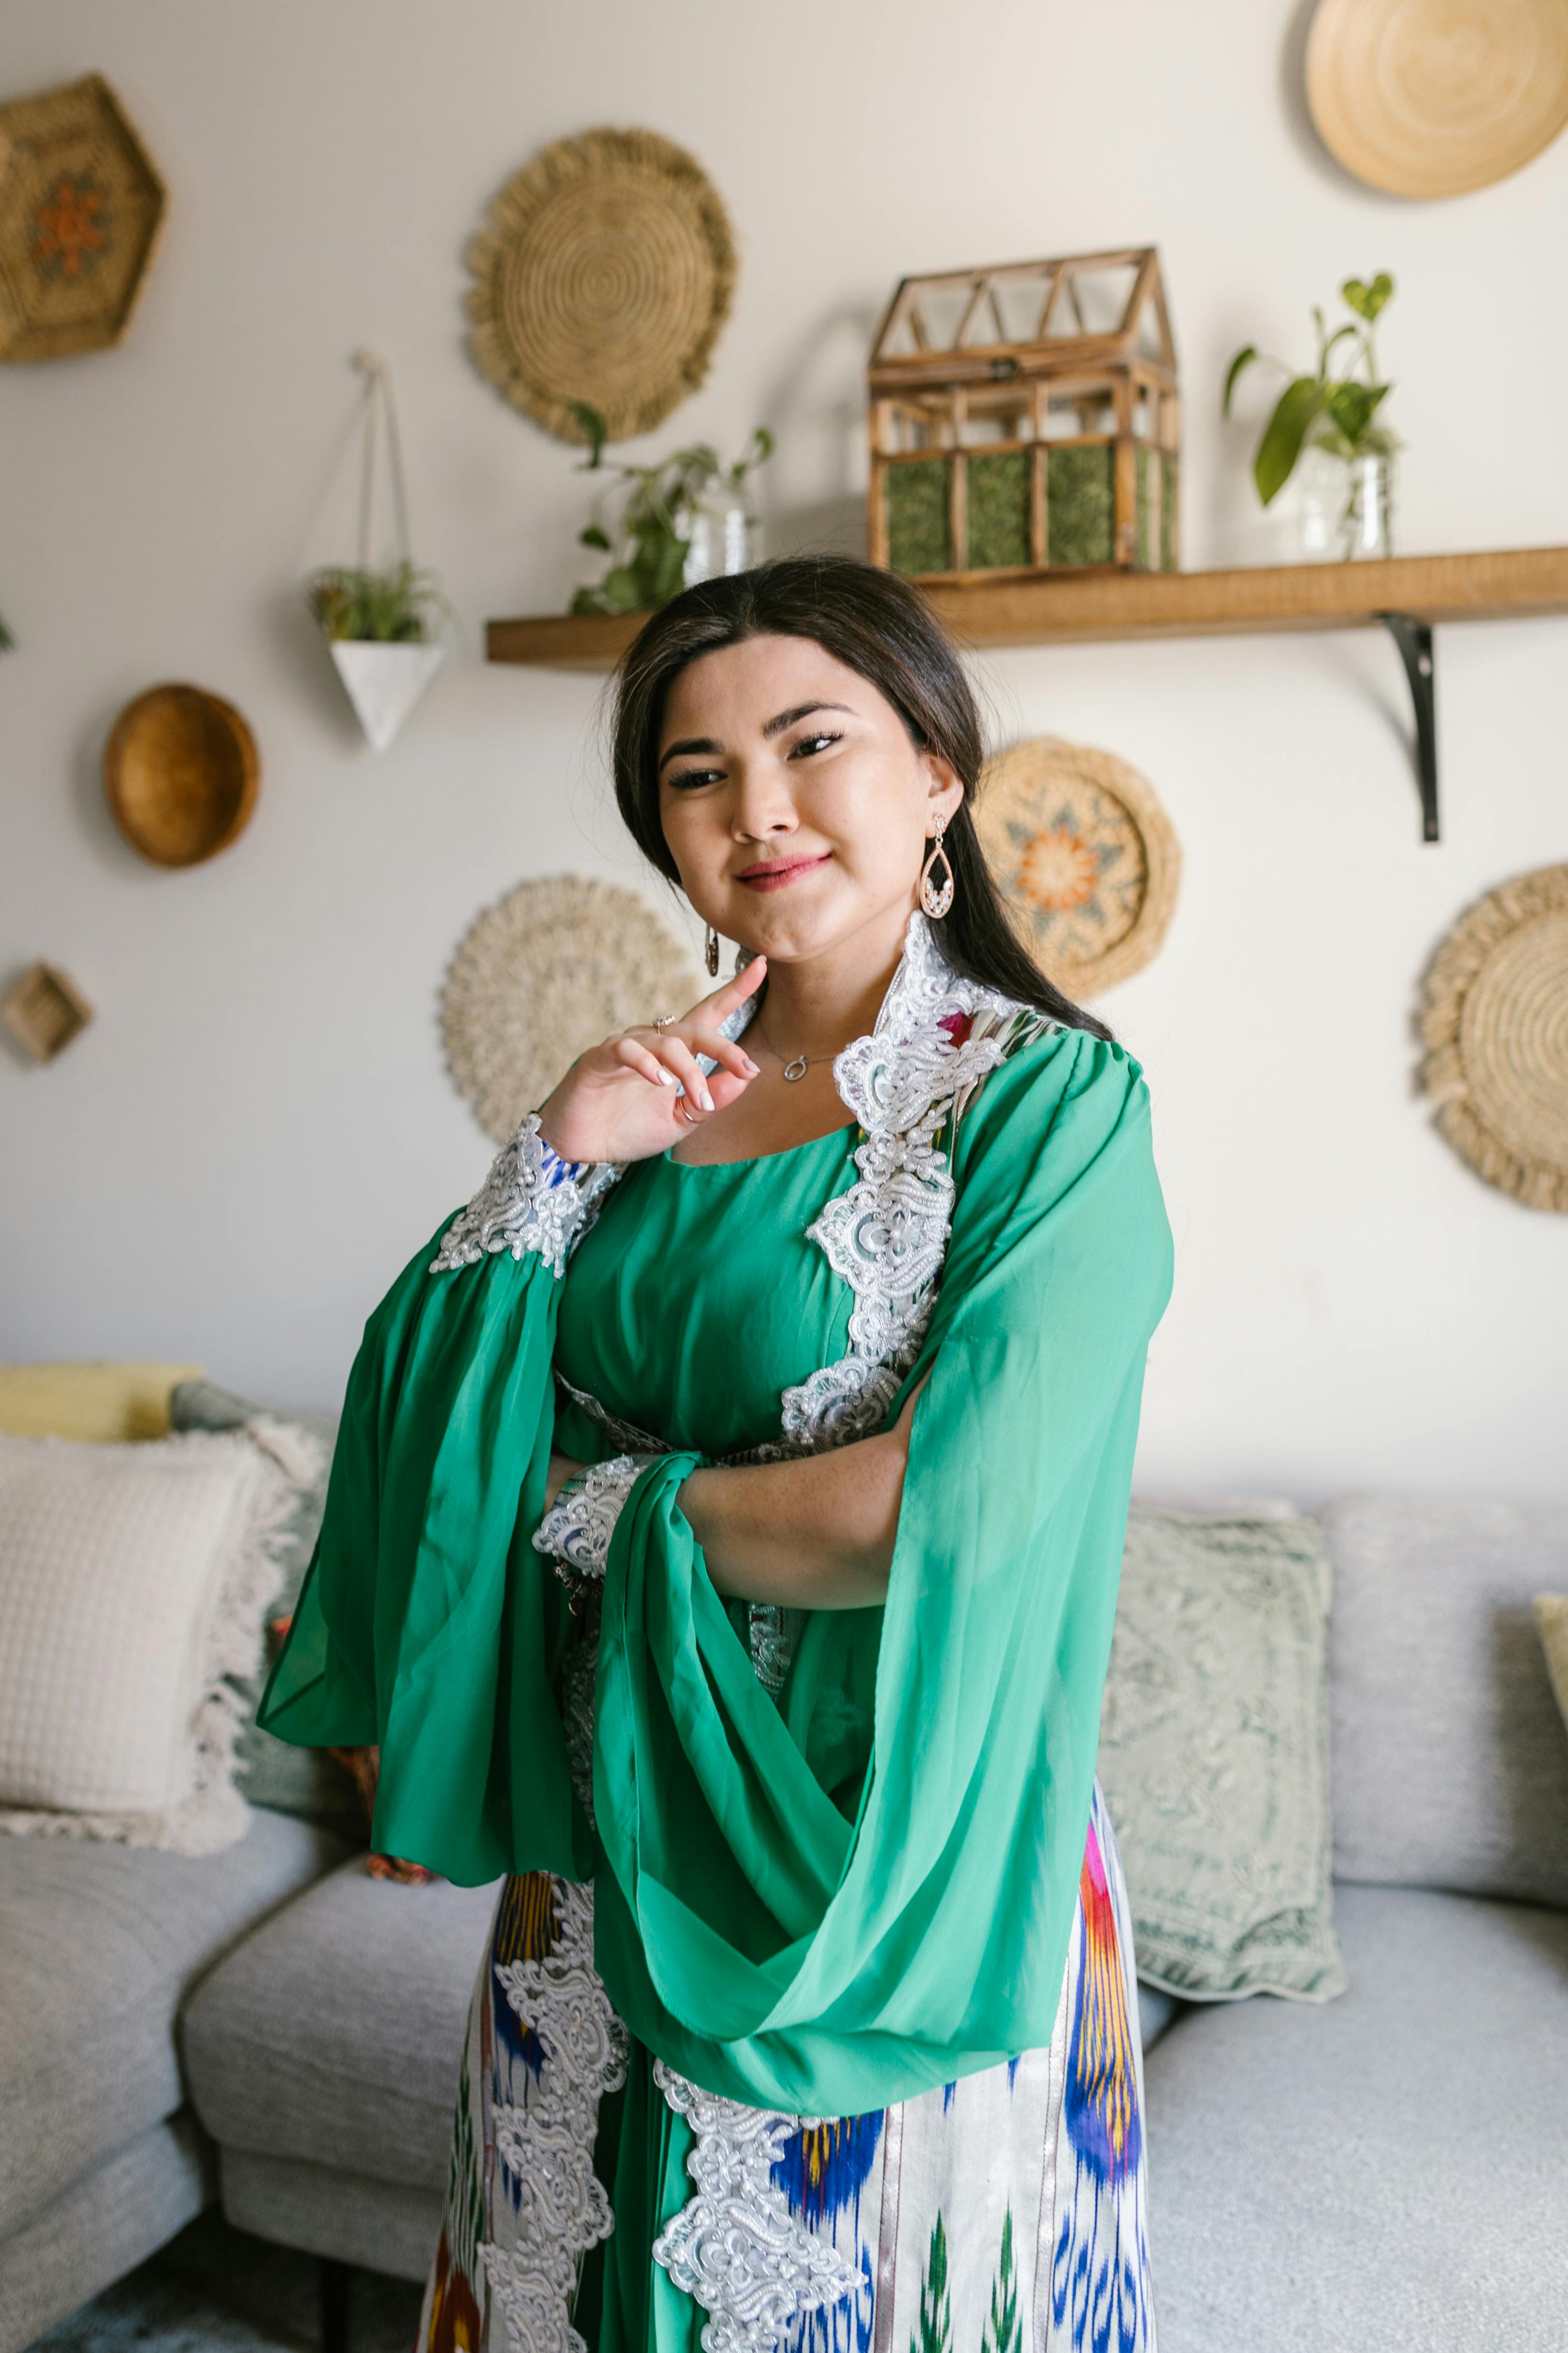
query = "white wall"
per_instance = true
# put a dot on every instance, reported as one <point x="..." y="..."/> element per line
<point x="258" y="1131"/>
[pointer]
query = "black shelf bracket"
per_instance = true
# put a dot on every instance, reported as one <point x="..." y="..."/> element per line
<point x="1414" y="639"/>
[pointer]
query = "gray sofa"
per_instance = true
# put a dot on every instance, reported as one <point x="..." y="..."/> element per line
<point x="1388" y="2170"/>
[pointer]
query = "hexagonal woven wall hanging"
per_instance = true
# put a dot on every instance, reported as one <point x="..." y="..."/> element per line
<point x="80" y="206"/>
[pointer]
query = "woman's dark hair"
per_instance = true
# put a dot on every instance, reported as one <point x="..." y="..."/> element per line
<point x="879" y="625"/>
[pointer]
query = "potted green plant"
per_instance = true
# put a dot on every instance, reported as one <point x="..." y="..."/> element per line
<point x="1334" y="415"/>
<point x="684" y="520"/>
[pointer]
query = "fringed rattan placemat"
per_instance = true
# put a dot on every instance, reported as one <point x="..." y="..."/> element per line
<point x="544" y="974"/>
<point x="1494" y="1021"/>
<point x="1084" y="856"/>
<point x="604" y="274"/>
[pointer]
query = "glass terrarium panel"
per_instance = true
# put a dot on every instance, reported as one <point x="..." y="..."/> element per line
<point x="940" y="310"/>
<point x="1014" y="312"/>
<point x="991" y="420"/>
<point x="926" y="427"/>
<point x="999" y="511"/>
<point x="1069" y="415"/>
<point x="917" y="494"/>
<point x="1080" y="503"/>
<point x="1094" y="301"/>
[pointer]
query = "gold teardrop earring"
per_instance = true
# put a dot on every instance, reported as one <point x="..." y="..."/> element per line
<point x="937" y="898"/>
<point x="710" y="950"/>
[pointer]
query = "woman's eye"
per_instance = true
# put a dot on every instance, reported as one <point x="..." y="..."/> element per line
<point x="807" y="744"/>
<point x="690" y="778"/>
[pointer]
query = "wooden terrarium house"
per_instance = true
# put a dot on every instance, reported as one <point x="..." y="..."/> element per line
<point x="1026" y="420"/>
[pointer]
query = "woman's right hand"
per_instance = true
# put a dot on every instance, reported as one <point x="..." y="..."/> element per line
<point x="621" y="1100"/>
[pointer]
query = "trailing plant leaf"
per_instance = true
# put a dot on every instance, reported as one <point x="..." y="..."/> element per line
<point x="595" y="431"/>
<point x="396" y="607"/>
<point x="1243" y="359"/>
<point x="594" y="537"/>
<point x="1365" y="300"/>
<point x="1299" y="404"/>
<point x="1353" y="407"/>
<point x="7" y="642"/>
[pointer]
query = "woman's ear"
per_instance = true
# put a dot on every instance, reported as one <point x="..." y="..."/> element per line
<point x="946" y="787"/>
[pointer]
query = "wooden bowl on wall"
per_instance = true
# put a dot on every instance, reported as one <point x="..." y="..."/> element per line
<point x="180" y="771"/>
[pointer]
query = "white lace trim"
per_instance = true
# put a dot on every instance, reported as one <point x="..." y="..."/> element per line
<point x="532" y="1200"/>
<point x="548" y="2146"/>
<point x="886" y="1236"/>
<point x="735" y="2247"/>
<point x="579" y="1524"/>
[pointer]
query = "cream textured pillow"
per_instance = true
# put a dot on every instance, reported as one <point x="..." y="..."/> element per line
<point x="1551" y="1617"/>
<point x="134" y="1582"/>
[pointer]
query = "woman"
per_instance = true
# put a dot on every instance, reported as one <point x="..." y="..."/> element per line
<point x="723" y="1542"/>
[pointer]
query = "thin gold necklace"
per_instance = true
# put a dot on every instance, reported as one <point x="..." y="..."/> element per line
<point x="796" y="1068"/>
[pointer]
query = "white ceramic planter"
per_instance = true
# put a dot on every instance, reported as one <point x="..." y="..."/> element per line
<point x="384" y="683"/>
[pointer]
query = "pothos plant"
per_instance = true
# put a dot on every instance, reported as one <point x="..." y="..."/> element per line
<point x="649" y="538"/>
<point x="1340" y="407"/>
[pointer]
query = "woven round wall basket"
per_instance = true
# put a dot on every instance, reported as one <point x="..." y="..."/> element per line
<point x="1431" y="98"/>
<point x="1085" y="858"/>
<point x="548" y="971"/>
<point x="604" y="274"/>
<point x="1494" y="1021"/>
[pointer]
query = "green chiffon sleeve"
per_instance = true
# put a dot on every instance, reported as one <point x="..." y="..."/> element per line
<point x="829" y="1905"/>
<point x="427" y="1624"/>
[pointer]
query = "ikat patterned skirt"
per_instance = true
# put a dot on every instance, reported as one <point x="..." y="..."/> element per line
<point x="1001" y="2213"/>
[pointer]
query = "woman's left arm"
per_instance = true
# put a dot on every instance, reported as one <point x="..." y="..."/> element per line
<point x="816" y="1534"/>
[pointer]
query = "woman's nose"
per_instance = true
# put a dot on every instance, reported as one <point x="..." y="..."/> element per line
<point x="763" y="805"/>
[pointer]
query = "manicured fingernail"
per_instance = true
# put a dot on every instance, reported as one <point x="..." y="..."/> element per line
<point x="748" y="1066"/>
<point x="666" y="1077"/>
<point x="704" y="1098"/>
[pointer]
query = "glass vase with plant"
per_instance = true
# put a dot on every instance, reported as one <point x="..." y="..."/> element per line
<point x="684" y="520"/>
<point x="1334" y="415"/>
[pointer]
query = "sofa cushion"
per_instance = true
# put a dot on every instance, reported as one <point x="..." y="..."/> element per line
<point x="1449" y="1765"/>
<point x="335" y="2033"/>
<point x="103" y="2225"/>
<point x="1385" y="2172"/>
<point x="378" y="2226"/>
<point x="98" y="1944"/>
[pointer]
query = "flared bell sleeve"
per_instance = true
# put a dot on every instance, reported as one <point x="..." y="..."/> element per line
<point x="832" y="1902"/>
<point x="427" y="1624"/>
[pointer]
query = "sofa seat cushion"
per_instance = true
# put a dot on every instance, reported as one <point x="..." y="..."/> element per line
<point x="1388" y="2171"/>
<point x="333" y="2035"/>
<point x="99" y="1945"/>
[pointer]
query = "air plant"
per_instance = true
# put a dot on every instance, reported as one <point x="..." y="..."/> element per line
<point x="399" y="607"/>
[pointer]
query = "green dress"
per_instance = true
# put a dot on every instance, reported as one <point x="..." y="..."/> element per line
<point x="763" y="1866"/>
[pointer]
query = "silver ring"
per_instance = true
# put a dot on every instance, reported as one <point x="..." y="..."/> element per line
<point x="665" y="1021"/>
<point x="686" y="1116"/>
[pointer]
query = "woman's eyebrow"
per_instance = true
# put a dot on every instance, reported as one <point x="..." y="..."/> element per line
<point x="802" y="711"/>
<point x="691" y="744"/>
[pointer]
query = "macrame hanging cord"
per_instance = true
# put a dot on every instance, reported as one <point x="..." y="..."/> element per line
<point x="381" y="412"/>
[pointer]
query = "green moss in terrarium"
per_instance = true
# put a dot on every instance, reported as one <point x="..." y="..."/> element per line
<point x="918" y="510"/>
<point x="998" y="510"/>
<point x="1080" y="502"/>
<point x="1168" y="512"/>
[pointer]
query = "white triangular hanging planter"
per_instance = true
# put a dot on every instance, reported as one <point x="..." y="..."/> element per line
<point x="384" y="683"/>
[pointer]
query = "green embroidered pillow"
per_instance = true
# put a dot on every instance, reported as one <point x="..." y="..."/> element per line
<point x="1214" y="1755"/>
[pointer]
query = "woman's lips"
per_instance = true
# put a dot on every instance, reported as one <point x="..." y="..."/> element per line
<point x="777" y="873"/>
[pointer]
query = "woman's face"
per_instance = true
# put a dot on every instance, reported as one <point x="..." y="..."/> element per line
<point x="794" y="805"/>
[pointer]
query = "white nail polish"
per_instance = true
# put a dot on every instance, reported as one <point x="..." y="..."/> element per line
<point x="666" y="1077"/>
<point x="704" y="1098"/>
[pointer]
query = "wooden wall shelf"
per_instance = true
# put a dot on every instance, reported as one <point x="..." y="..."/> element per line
<point x="1405" y="593"/>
